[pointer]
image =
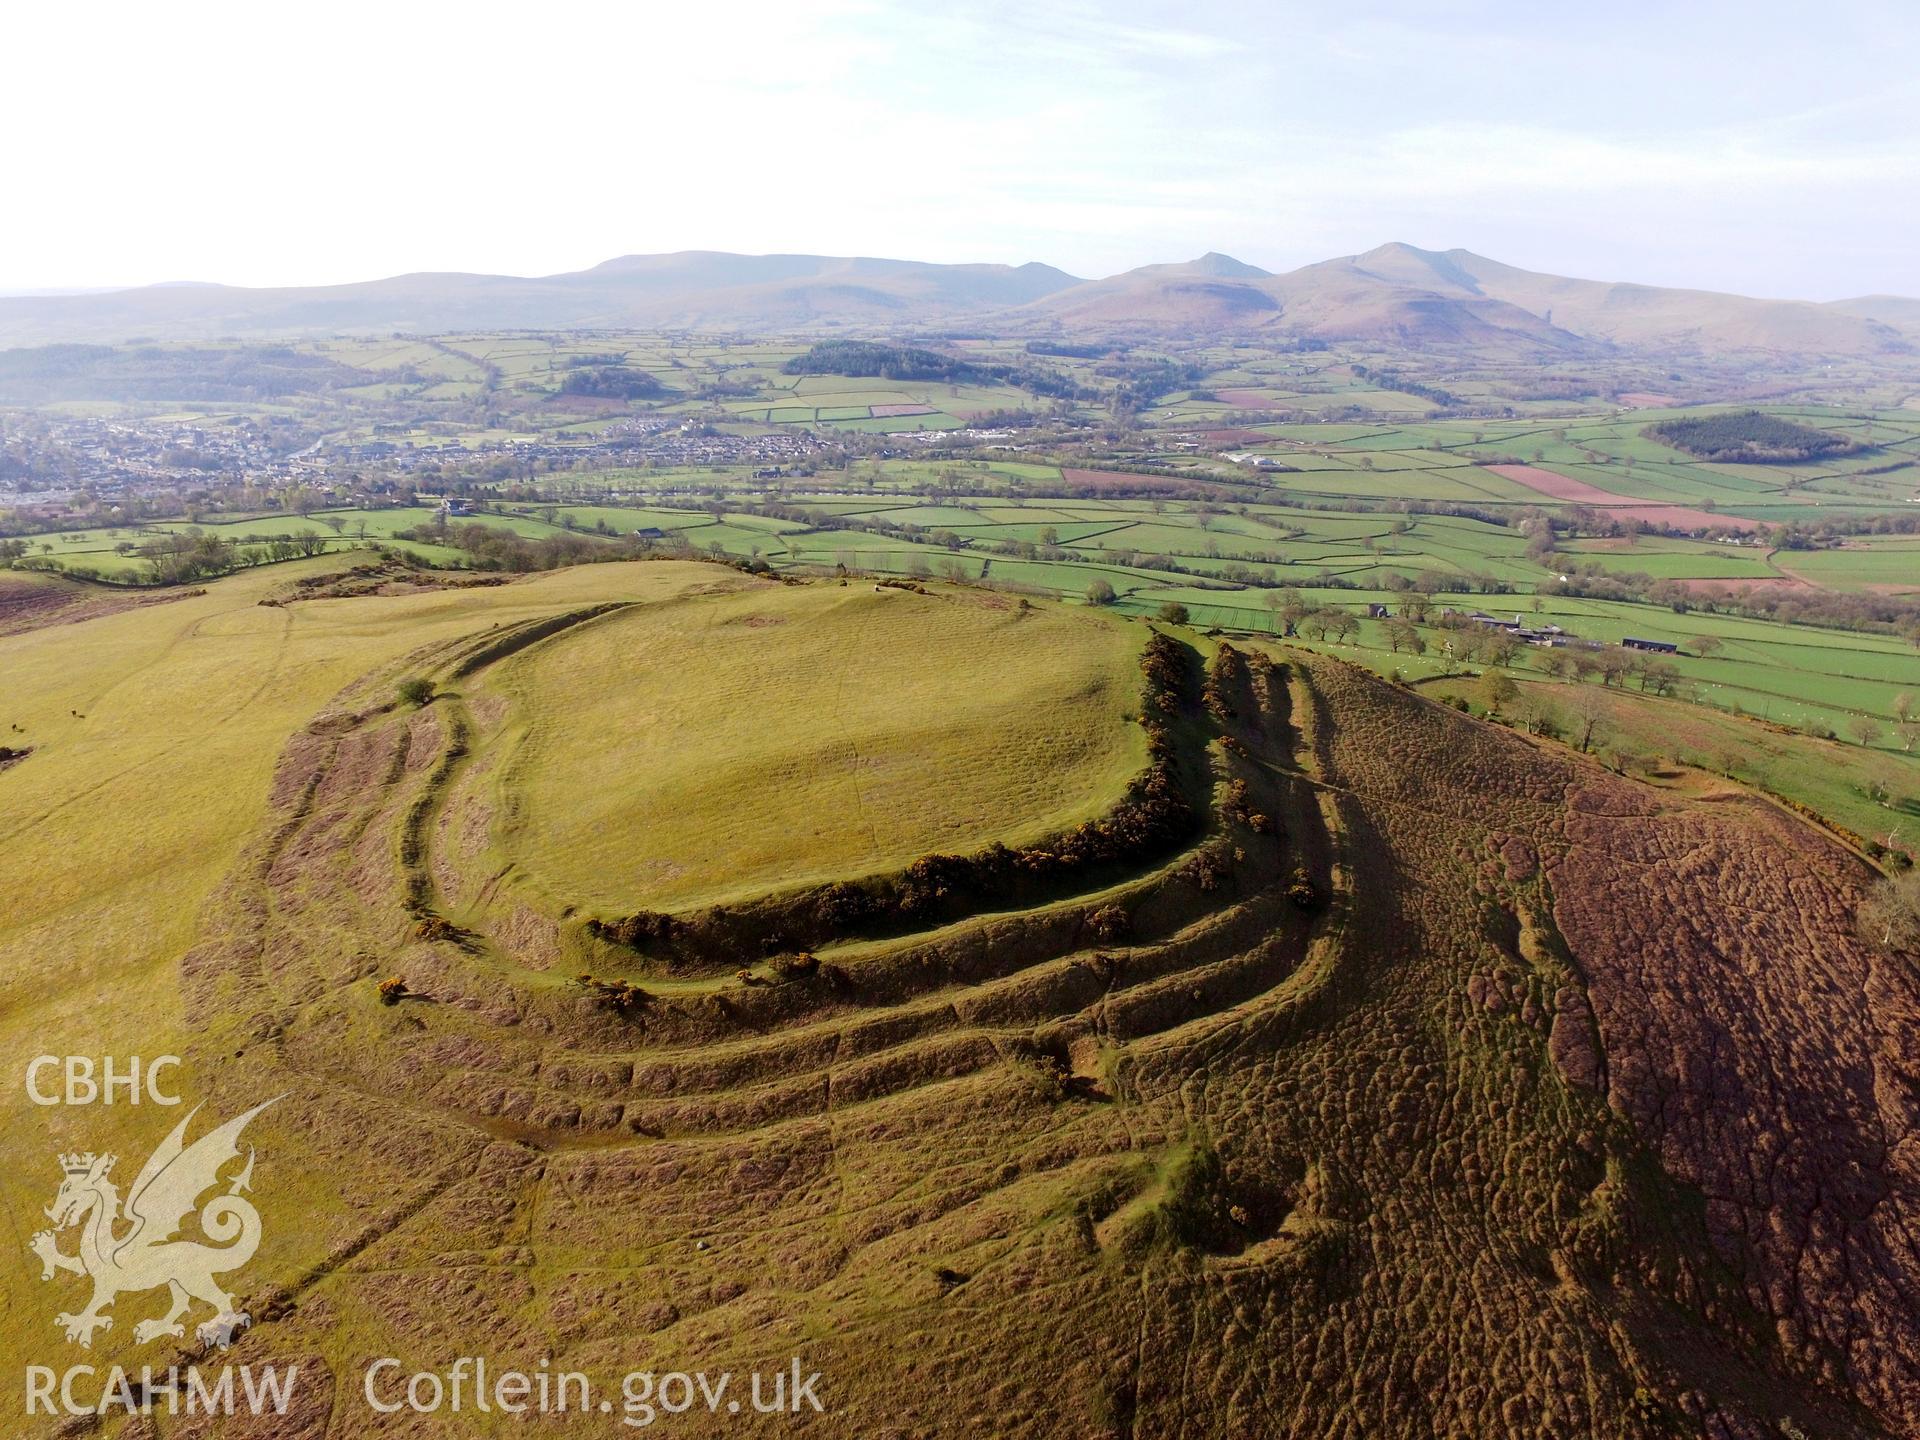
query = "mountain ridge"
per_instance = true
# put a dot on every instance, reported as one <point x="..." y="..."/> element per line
<point x="1396" y="294"/>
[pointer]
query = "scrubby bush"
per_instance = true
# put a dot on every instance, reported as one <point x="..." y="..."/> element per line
<point x="1227" y="676"/>
<point x="1890" y="915"/>
<point x="1168" y="667"/>
<point x="622" y="997"/>
<point x="1209" y="867"/>
<point x="1302" y="892"/>
<point x="416" y="691"/>
<point x="434" y="927"/>
<point x="796" y="967"/>
<point x="1197" y="1210"/>
<point x="845" y="906"/>
<point x="636" y="929"/>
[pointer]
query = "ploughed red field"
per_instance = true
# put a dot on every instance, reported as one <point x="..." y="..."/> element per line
<point x="1579" y="492"/>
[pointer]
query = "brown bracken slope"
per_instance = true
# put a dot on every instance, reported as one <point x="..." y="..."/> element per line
<point x="1442" y="1086"/>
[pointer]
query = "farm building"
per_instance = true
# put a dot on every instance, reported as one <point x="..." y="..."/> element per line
<point x="649" y="532"/>
<point x="1550" y="635"/>
<point x="1255" y="461"/>
<point x="1663" y="647"/>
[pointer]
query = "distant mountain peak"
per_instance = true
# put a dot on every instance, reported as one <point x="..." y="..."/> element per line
<point x="1410" y="265"/>
<point x="1401" y="248"/>
<point x="1225" y="267"/>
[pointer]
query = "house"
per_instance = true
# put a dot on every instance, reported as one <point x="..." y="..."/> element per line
<point x="649" y="532"/>
<point x="1660" y="647"/>
<point x="1377" y="612"/>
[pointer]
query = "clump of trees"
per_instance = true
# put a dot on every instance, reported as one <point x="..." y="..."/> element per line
<point x="1403" y="634"/>
<point x="1497" y="690"/>
<point x="1069" y="350"/>
<point x="913" y="362"/>
<point x="1141" y="382"/>
<point x="887" y="362"/>
<point x="614" y="382"/>
<point x="179" y="557"/>
<point x="1329" y="622"/>
<point x="491" y="547"/>
<point x="1749" y="437"/>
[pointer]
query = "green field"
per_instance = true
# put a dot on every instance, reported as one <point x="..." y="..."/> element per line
<point x="1226" y="561"/>
<point x="1011" y="718"/>
<point x="235" y="837"/>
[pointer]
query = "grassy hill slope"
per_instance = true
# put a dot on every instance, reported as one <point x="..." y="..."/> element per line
<point x="696" y="752"/>
<point x="1416" y="1089"/>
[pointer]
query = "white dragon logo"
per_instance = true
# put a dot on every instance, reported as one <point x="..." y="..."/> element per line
<point x="139" y="1250"/>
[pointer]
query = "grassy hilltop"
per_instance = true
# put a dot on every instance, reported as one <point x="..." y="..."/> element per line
<point x="703" y="750"/>
<point x="1042" y="1021"/>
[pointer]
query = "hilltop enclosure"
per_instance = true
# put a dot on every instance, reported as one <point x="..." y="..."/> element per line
<point x="701" y="751"/>
<point x="755" y="958"/>
<point x="1203" y="851"/>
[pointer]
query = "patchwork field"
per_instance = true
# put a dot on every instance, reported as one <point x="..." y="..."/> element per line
<point x="1571" y="491"/>
<point x="1028" y="888"/>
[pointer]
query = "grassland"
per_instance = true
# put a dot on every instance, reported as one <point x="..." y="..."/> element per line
<point x="1398" y="1090"/>
<point x="1343" y="525"/>
<point x="648" y="776"/>
<point x="1371" y="1076"/>
<point x="154" y="734"/>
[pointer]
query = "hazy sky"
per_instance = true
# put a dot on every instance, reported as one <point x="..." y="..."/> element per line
<point x="1763" y="147"/>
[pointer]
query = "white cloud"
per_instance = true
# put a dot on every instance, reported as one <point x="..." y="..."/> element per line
<point x="273" y="145"/>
